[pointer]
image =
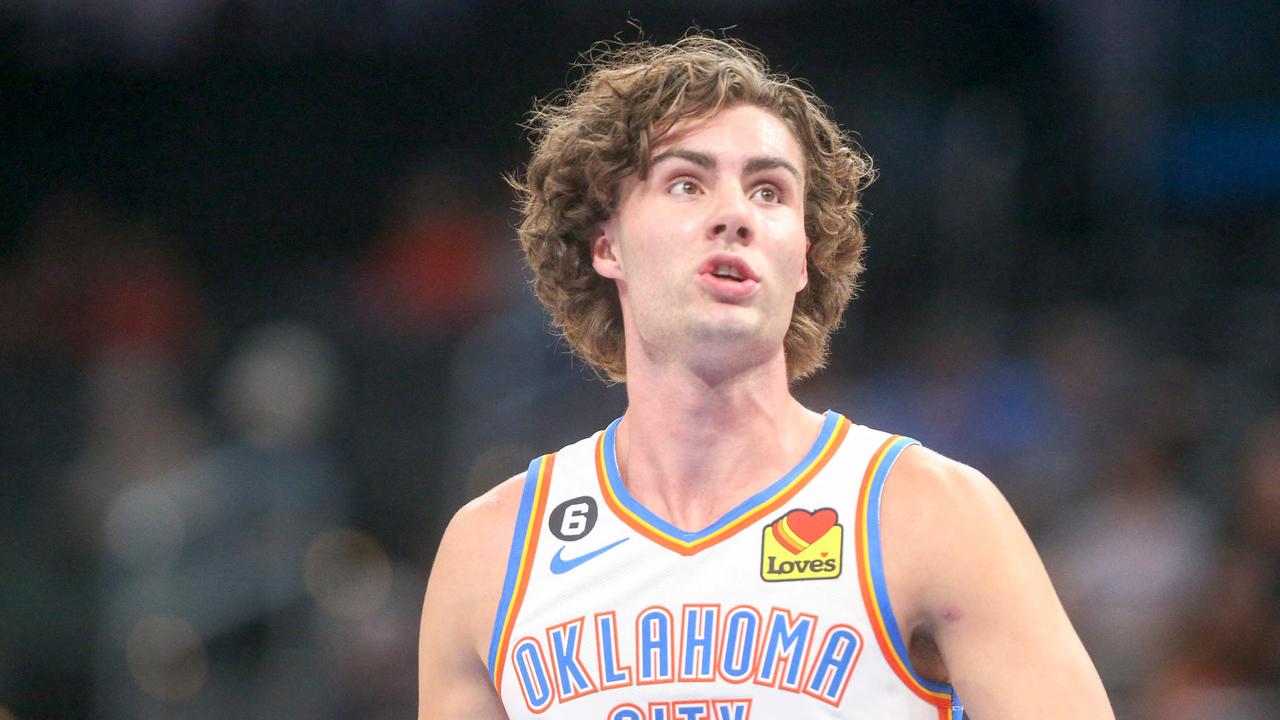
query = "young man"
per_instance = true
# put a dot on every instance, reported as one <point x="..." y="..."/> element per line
<point x="721" y="552"/>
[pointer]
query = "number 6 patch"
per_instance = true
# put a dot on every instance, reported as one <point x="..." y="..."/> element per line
<point x="573" y="519"/>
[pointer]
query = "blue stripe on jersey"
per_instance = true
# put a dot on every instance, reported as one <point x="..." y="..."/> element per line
<point x="829" y="424"/>
<point x="513" y="558"/>
<point x="875" y="559"/>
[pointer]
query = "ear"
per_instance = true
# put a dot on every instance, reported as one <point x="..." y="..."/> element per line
<point x="804" y="266"/>
<point x="603" y="257"/>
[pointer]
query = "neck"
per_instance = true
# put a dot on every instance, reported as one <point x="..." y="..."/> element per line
<point x="694" y="445"/>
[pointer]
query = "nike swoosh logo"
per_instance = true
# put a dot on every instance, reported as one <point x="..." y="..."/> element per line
<point x="559" y="565"/>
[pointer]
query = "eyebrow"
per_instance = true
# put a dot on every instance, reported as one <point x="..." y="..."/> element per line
<point x="754" y="165"/>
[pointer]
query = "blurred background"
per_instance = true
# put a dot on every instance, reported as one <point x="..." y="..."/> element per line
<point x="264" y="325"/>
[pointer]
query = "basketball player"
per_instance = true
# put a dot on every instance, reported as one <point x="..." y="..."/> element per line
<point x="721" y="552"/>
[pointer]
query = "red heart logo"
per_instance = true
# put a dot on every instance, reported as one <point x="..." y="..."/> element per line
<point x="811" y="526"/>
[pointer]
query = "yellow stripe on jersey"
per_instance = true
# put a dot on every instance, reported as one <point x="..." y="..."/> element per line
<point x="644" y="522"/>
<point x="871" y="578"/>
<point x="528" y="522"/>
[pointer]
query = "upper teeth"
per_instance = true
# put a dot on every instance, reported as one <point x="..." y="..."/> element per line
<point x="728" y="270"/>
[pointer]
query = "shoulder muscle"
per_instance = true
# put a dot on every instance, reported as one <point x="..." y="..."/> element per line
<point x="460" y="605"/>
<point x="962" y="570"/>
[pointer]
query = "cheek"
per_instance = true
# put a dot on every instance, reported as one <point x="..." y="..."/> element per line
<point x="796" y="257"/>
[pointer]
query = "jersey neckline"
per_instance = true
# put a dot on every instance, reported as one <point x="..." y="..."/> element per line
<point x="688" y="542"/>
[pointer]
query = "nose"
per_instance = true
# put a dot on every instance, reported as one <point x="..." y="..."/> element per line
<point x="730" y="220"/>
<point x="739" y="229"/>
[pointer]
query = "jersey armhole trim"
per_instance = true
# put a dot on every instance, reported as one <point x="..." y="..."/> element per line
<point x="875" y="593"/>
<point x="524" y="544"/>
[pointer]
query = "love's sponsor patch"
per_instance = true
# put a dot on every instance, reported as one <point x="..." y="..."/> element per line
<point x="802" y="545"/>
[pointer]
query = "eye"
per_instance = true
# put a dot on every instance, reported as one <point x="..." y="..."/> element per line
<point x="684" y="186"/>
<point x="767" y="194"/>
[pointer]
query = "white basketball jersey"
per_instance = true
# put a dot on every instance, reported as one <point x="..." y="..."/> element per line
<point x="777" y="610"/>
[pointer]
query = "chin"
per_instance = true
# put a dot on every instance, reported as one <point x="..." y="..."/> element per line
<point x="739" y="337"/>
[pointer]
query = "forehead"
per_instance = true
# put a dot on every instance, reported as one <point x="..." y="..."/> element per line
<point x="741" y="130"/>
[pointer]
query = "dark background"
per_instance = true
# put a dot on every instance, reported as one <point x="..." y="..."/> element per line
<point x="264" y="325"/>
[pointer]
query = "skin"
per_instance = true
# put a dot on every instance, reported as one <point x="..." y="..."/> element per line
<point x="965" y="581"/>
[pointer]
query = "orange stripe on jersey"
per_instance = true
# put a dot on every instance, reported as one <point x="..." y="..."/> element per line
<point x="768" y="500"/>
<point x="528" y="538"/>
<point x="870" y="578"/>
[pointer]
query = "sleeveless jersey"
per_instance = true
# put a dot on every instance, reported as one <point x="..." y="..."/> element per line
<point x="777" y="610"/>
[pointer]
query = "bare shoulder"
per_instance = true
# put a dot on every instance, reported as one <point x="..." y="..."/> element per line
<point x="945" y="524"/>
<point x="478" y="519"/>
<point x="963" y="574"/>
<point x="932" y="481"/>
<point x="471" y="561"/>
<point x="460" y="606"/>
<point x="944" y="495"/>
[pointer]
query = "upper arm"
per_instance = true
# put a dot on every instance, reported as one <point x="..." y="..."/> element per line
<point x="961" y="568"/>
<point x="459" y="609"/>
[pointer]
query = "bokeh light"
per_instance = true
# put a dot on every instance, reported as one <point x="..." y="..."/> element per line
<point x="144" y="527"/>
<point x="167" y="658"/>
<point x="348" y="573"/>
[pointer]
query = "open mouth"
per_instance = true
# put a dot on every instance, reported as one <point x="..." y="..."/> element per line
<point x="728" y="276"/>
<point x="728" y="267"/>
<point x="727" y="272"/>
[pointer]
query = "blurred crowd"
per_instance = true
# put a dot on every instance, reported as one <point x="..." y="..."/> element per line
<point x="229" y="444"/>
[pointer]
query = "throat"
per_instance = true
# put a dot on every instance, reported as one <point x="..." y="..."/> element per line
<point x="693" y="478"/>
<point x="692" y="506"/>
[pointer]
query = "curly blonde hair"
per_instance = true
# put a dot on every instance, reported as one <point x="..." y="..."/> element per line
<point x="602" y="129"/>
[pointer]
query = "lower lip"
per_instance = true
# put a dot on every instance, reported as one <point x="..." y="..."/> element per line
<point x="727" y="289"/>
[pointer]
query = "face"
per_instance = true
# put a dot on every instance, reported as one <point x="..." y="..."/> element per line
<point x="708" y="251"/>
